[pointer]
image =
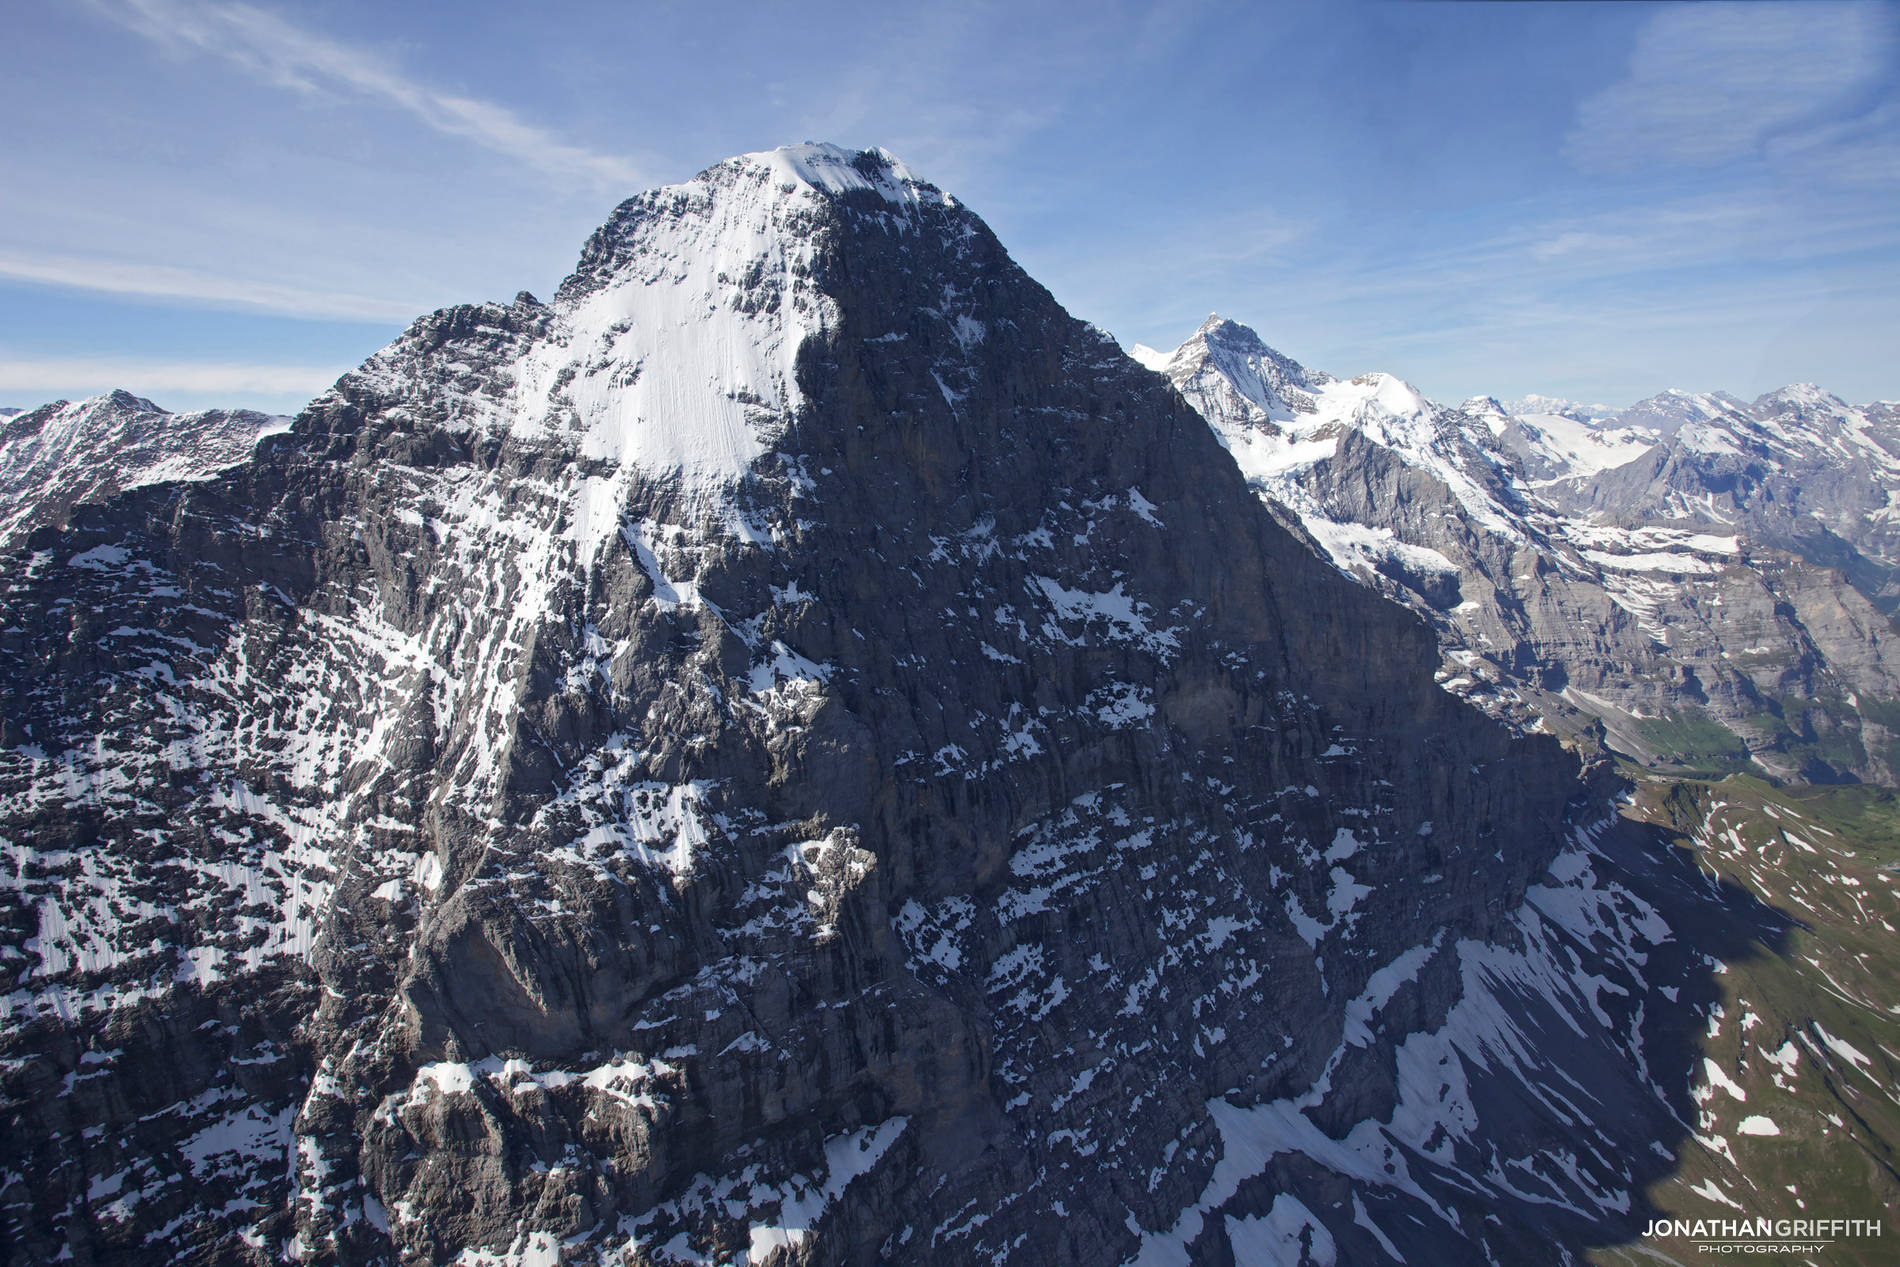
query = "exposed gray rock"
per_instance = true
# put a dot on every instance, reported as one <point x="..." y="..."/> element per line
<point x="794" y="751"/>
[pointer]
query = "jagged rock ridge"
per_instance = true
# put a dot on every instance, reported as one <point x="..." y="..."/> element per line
<point x="64" y="453"/>
<point x="795" y="748"/>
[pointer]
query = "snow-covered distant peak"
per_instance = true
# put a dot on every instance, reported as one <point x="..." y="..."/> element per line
<point x="1153" y="358"/>
<point x="117" y="400"/>
<point x="1376" y="395"/>
<point x="1222" y="334"/>
<point x="1558" y="446"/>
<point x="1229" y="373"/>
<point x="1669" y="411"/>
<point x="1791" y="424"/>
<point x="1778" y="426"/>
<point x="100" y="418"/>
<point x="1279" y="418"/>
<point x="1533" y="403"/>
<point x="1488" y="410"/>
<point x="1235" y="379"/>
<point x="1799" y="398"/>
<point x="1227" y="330"/>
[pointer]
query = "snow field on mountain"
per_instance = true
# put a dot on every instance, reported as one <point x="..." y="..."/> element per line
<point x="1488" y="1033"/>
<point x="1579" y="448"/>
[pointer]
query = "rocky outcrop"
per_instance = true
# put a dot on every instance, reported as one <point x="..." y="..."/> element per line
<point x="59" y="455"/>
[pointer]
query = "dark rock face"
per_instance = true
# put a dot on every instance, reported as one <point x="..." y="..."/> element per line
<point x="61" y="454"/>
<point x="841" y="769"/>
<point x="1719" y="594"/>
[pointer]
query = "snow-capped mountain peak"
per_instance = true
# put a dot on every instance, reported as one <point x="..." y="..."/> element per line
<point x="1152" y="358"/>
<point x="671" y="352"/>
<point x="836" y="170"/>
<point x="1227" y="368"/>
<point x="1799" y="398"/>
<point x="119" y="398"/>
<point x="1565" y="444"/>
<point x="1379" y="394"/>
<point x="1799" y="424"/>
<point x="1670" y="410"/>
<point x="1279" y="418"/>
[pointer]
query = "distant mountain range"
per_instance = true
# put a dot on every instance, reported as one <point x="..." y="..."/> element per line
<point x="1708" y="580"/>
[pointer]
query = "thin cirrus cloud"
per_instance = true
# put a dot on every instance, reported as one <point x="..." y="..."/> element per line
<point x="1709" y="84"/>
<point x="164" y="281"/>
<point x="1861" y="151"/>
<point x="1760" y="229"/>
<point x="97" y="374"/>
<point x="288" y="56"/>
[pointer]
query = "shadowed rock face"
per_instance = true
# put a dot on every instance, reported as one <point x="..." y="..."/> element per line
<point x="843" y="771"/>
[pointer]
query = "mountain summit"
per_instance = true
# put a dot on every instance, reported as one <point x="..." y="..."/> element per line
<point x="795" y="750"/>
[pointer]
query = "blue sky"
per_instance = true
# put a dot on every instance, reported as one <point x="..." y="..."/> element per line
<point x="210" y="202"/>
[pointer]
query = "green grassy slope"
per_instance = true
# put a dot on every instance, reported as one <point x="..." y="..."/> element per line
<point x="1797" y="1076"/>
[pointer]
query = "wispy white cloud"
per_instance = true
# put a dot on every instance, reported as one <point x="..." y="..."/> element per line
<point x="292" y="57"/>
<point x="1164" y="285"/>
<point x="1608" y="305"/>
<point x="1863" y="151"/>
<point x="1662" y="246"/>
<point x="164" y="281"/>
<point x="1739" y="231"/>
<point x="1710" y="83"/>
<point x="1581" y="242"/>
<point x="37" y="377"/>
